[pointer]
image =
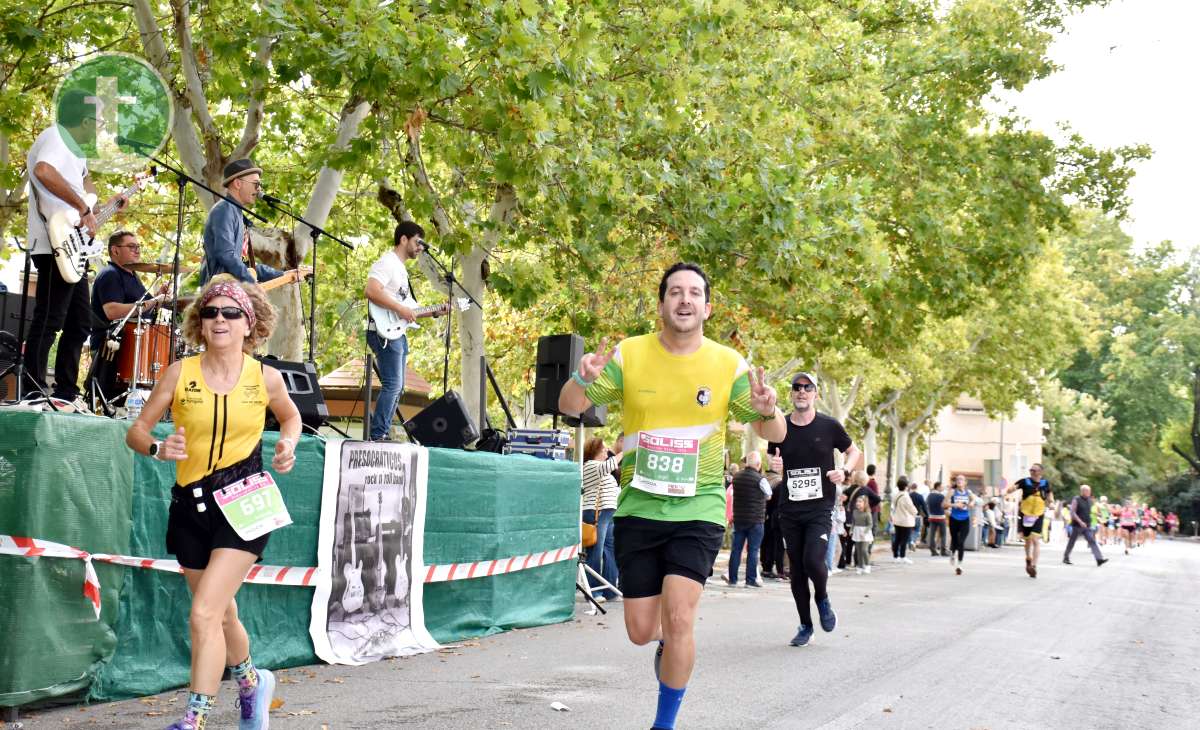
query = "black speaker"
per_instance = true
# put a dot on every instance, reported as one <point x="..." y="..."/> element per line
<point x="300" y="379"/>
<point x="10" y="312"/>
<point x="557" y="357"/>
<point x="593" y="417"/>
<point x="444" y="423"/>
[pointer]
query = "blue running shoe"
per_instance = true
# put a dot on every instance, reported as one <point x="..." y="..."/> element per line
<point x="802" y="636"/>
<point x="828" y="617"/>
<point x="256" y="709"/>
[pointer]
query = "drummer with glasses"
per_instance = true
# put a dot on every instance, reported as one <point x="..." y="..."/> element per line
<point x="114" y="295"/>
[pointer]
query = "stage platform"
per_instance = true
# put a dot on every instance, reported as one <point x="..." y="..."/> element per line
<point x="70" y="479"/>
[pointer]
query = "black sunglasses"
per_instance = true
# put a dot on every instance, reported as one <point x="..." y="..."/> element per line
<point x="806" y="387"/>
<point x="226" y="312"/>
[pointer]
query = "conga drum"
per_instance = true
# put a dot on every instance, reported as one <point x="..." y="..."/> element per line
<point x="152" y="356"/>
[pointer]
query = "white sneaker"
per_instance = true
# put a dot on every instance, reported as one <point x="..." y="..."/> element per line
<point x="858" y="571"/>
<point x="867" y="570"/>
<point x="835" y="570"/>
<point x="907" y="560"/>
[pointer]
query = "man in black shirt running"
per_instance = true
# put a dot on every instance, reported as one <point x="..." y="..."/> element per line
<point x="805" y="458"/>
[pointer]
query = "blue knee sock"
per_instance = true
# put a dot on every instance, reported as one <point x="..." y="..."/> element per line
<point x="669" y="700"/>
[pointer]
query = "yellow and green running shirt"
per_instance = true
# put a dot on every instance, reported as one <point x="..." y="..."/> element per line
<point x="679" y="397"/>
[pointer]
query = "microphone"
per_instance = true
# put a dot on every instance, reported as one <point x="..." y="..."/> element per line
<point x="269" y="198"/>
<point x="135" y="143"/>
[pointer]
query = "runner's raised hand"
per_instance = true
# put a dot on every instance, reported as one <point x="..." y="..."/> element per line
<point x="592" y="364"/>
<point x="762" y="396"/>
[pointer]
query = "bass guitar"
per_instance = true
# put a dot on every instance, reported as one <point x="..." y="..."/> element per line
<point x="392" y="326"/>
<point x="71" y="243"/>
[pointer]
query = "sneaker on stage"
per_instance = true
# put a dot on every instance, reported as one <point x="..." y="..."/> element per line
<point x="802" y="636"/>
<point x="828" y="617"/>
<point x="256" y="709"/>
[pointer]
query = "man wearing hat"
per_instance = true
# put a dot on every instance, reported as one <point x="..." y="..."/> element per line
<point x="227" y="247"/>
<point x="805" y="459"/>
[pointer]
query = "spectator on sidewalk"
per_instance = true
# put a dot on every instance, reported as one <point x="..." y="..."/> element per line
<point x="991" y="527"/>
<point x="750" y="492"/>
<point x="904" y="518"/>
<point x="773" y="555"/>
<point x="874" y="487"/>
<point x="600" y="489"/>
<point x="860" y="533"/>
<point x="935" y="507"/>
<point x="918" y="501"/>
<point x="858" y="488"/>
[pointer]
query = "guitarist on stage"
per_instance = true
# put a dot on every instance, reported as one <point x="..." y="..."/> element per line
<point x="227" y="246"/>
<point x="388" y="287"/>
<point x="59" y="180"/>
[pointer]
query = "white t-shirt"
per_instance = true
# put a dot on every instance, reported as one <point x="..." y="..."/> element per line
<point x="50" y="148"/>
<point x="390" y="272"/>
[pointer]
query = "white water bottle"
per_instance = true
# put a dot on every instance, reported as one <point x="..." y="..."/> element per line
<point x="133" y="404"/>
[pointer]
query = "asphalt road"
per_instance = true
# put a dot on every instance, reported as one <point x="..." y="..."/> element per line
<point x="915" y="647"/>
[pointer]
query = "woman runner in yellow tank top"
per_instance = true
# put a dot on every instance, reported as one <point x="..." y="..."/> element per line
<point x="219" y="400"/>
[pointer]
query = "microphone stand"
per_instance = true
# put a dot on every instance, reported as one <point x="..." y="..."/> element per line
<point x="451" y="282"/>
<point x="316" y="232"/>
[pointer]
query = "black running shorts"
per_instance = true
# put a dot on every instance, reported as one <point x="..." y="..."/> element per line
<point x="1027" y="531"/>
<point x="192" y="534"/>
<point x="649" y="550"/>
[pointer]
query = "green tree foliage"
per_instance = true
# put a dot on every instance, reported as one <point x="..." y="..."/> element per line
<point x="1076" y="450"/>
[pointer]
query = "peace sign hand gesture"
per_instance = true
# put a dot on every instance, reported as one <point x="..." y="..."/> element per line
<point x="762" y="396"/>
<point x="592" y="364"/>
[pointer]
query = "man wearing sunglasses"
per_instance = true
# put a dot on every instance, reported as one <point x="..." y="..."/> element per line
<point x="114" y="294"/>
<point x="810" y="479"/>
<point x="227" y="247"/>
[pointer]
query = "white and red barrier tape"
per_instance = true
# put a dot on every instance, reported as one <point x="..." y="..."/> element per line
<point x="29" y="547"/>
<point x="485" y="568"/>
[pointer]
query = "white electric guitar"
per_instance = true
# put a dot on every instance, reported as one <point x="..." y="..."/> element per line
<point x="352" y="597"/>
<point x="391" y="326"/>
<point x="72" y="244"/>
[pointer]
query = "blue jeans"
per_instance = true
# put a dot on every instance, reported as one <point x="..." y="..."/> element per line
<point x="601" y="557"/>
<point x="916" y="533"/>
<point x="390" y="356"/>
<point x="743" y="534"/>
<point x="830" y="549"/>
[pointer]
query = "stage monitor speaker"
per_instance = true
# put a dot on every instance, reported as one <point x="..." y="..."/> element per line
<point x="593" y="417"/>
<point x="444" y="423"/>
<point x="10" y="312"/>
<point x="300" y="379"/>
<point x="557" y="357"/>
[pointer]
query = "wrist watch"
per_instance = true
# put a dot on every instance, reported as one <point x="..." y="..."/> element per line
<point x="155" y="449"/>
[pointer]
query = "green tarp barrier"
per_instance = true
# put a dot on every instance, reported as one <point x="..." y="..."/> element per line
<point x="63" y="478"/>
<point x="71" y="479"/>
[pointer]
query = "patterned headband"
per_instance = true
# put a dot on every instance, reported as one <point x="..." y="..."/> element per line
<point x="235" y="292"/>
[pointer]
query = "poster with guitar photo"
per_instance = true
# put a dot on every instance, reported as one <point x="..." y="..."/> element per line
<point x="367" y="603"/>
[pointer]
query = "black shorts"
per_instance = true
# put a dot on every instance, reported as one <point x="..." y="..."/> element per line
<point x="1027" y="531"/>
<point x="192" y="535"/>
<point x="649" y="550"/>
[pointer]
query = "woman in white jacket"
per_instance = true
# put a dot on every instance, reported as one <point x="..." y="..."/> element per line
<point x="904" y="519"/>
